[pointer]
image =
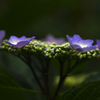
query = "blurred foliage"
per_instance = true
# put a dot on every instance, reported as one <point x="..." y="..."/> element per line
<point x="9" y="93"/>
<point x="87" y="91"/>
<point x="73" y="80"/>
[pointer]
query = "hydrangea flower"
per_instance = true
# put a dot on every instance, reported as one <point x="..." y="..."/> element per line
<point x="19" y="42"/>
<point x="98" y="44"/>
<point x="77" y="43"/>
<point x="2" y="35"/>
<point x="50" y="38"/>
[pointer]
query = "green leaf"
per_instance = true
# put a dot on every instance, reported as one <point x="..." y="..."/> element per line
<point x="19" y="70"/>
<point x="87" y="91"/>
<point x="11" y="90"/>
<point x="13" y="93"/>
<point x="79" y="67"/>
<point x="8" y="81"/>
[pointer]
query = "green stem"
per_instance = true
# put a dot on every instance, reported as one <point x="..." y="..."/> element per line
<point x="63" y="76"/>
<point x="28" y="62"/>
<point x="61" y="80"/>
<point x="45" y="70"/>
<point x="70" y="69"/>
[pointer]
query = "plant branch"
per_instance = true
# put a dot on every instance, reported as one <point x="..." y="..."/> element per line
<point x="45" y="70"/>
<point x="61" y="80"/>
<point x="28" y="62"/>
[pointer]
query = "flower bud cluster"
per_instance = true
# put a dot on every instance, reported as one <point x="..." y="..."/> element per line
<point x="51" y="50"/>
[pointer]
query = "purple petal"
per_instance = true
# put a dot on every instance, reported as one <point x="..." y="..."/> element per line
<point x="75" y="46"/>
<point x="69" y="39"/>
<point x="19" y="42"/>
<point x="2" y="34"/>
<point x="89" y="48"/>
<point x="13" y="39"/>
<point x="50" y="38"/>
<point x="59" y="41"/>
<point x="23" y="38"/>
<point x="86" y="42"/>
<point x="22" y="43"/>
<point x="30" y="39"/>
<point x="77" y="43"/>
<point x="98" y="44"/>
<point x="9" y="43"/>
<point x="78" y="48"/>
<point x="75" y="39"/>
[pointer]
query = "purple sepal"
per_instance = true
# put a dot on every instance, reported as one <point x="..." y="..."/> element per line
<point x="2" y="35"/>
<point x="19" y="42"/>
<point x="8" y="42"/>
<point x="89" y="48"/>
<point x="98" y="44"/>
<point x="74" y="39"/>
<point x="22" y="43"/>
<point x="50" y="38"/>
<point x="77" y="43"/>
<point x="78" y="48"/>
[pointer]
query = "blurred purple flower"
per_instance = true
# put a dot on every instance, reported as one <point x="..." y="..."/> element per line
<point x="98" y="44"/>
<point x="50" y="38"/>
<point x="2" y="35"/>
<point x="77" y="43"/>
<point x="19" y="42"/>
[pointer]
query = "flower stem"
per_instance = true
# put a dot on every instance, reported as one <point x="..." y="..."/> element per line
<point x="28" y="62"/>
<point x="45" y="69"/>
<point x="63" y="76"/>
<point x="61" y="80"/>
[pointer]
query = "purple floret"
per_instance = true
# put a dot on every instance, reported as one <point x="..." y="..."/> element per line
<point x="51" y="38"/>
<point x="77" y="43"/>
<point x="2" y="35"/>
<point x="19" y="42"/>
<point x="98" y="44"/>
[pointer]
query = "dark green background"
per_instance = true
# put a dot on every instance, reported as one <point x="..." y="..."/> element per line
<point x="58" y="17"/>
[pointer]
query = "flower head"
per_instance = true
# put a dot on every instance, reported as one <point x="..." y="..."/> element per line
<point x="2" y="35"/>
<point x="77" y="43"/>
<point x="50" y="38"/>
<point x="19" y="42"/>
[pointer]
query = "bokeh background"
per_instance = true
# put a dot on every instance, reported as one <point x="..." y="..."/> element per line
<point x="59" y="17"/>
<point x="41" y="17"/>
